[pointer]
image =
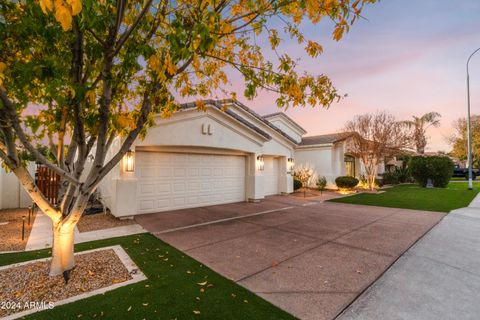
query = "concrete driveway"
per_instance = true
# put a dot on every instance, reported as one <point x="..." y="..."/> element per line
<point x="310" y="258"/>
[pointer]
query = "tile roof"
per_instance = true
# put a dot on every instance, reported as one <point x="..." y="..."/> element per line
<point x="325" y="138"/>
<point x="221" y="103"/>
<point x="286" y="116"/>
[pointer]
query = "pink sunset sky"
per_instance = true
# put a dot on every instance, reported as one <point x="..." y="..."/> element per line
<point x="408" y="58"/>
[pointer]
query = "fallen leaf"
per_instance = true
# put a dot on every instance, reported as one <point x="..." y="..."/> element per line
<point x="196" y="312"/>
<point x="234" y="295"/>
<point x="145" y="304"/>
<point x="202" y="283"/>
<point x="129" y="308"/>
<point x="246" y="301"/>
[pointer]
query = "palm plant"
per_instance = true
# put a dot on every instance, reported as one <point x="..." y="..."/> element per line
<point x="419" y="126"/>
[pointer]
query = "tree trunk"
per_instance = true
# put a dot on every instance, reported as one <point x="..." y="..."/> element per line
<point x="62" y="252"/>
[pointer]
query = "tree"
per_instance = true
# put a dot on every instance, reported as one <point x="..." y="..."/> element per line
<point x="303" y="174"/>
<point x="98" y="70"/>
<point x="374" y="137"/>
<point x="419" y="126"/>
<point x="459" y="139"/>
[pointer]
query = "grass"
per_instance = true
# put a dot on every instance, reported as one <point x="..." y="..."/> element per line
<point x="411" y="196"/>
<point x="170" y="292"/>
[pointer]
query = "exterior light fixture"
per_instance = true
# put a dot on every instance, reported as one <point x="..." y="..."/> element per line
<point x="129" y="161"/>
<point x="290" y="164"/>
<point x="260" y="163"/>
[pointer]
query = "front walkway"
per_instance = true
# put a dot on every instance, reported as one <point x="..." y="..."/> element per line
<point x="438" y="278"/>
<point x="41" y="236"/>
<point x="309" y="258"/>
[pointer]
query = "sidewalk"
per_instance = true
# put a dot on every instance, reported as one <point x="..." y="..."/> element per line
<point x="438" y="278"/>
<point x="41" y="235"/>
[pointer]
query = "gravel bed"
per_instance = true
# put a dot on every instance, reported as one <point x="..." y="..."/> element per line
<point x="31" y="283"/>
<point x="11" y="229"/>
<point x="101" y="221"/>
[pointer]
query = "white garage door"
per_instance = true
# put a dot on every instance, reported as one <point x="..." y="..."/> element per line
<point x="169" y="181"/>
<point x="270" y="176"/>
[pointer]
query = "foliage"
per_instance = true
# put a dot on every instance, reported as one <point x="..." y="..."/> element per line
<point x="419" y="126"/>
<point x="437" y="168"/>
<point x="403" y="174"/>
<point x="417" y="198"/>
<point x="90" y="72"/>
<point x="321" y="183"/>
<point x="303" y="173"/>
<point x="374" y="137"/>
<point x="297" y="184"/>
<point x="459" y="140"/>
<point x="170" y="290"/>
<point x="346" y="182"/>
<point x="390" y="177"/>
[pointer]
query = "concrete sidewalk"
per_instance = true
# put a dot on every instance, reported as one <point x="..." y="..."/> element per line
<point x="41" y="236"/>
<point x="438" y="278"/>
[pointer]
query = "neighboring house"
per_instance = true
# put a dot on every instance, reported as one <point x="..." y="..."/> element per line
<point x="220" y="155"/>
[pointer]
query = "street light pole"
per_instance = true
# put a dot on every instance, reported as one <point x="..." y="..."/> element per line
<point x="469" y="132"/>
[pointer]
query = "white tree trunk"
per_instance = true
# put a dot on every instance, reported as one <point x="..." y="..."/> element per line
<point x="62" y="252"/>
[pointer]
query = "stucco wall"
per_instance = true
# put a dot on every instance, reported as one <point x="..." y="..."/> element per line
<point x="279" y="123"/>
<point x="12" y="194"/>
<point x="208" y="132"/>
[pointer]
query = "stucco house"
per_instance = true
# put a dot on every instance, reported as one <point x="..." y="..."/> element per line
<point x="198" y="158"/>
<point x="227" y="153"/>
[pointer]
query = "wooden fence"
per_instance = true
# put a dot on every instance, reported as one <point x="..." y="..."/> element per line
<point x="48" y="182"/>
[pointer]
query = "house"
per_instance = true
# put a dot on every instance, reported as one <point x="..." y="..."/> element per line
<point x="227" y="153"/>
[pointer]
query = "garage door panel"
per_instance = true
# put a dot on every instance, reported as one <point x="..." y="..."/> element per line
<point x="270" y="176"/>
<point x="168" y="181"/>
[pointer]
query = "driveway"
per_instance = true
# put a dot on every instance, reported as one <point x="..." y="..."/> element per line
<point x="310" y="258"/>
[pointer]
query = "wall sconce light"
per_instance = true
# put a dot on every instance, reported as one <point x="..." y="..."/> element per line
<point x="290" y="164"/>
<point x="129" y="161"/>
<point x="260" y="163"/>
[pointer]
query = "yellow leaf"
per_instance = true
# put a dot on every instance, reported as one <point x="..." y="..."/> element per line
<point x="3" y="66"/>
<point x="202" y="283"/>
<point x="196" y="312"/>
<point x="154" y="63"/>
<point x="145" y="304"/>
<point x="76" y="6"/>
<point x="129" y="308"/>
<point x="64" y="16"/>
<point x="46" y="5"/>
<point x="91" y="96"/>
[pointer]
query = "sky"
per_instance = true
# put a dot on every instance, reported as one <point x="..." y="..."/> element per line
<point x="407" y="57"/>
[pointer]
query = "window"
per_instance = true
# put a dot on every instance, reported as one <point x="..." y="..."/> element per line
<point x="349" y="166"/>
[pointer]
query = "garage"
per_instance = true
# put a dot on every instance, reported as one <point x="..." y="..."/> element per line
<point x="169" y="181"/>
<point x="270" y="176"/>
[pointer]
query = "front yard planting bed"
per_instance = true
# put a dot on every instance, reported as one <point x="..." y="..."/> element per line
<point x="177" y="287"/>
<point x="411" y="196"/>
<point x="20" y="285"/>
<point x="11" y="229"/>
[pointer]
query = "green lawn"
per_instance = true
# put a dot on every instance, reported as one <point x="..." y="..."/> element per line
<point x="170" y="292"/>
<point x="411" y="196"/>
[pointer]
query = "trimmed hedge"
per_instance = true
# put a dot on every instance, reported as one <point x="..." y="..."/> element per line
<point x="346" y="182"/>
<point x="297" y="184"/>
<point x="437" y="168"/>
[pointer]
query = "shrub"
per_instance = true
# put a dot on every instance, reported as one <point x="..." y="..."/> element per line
<point x="437" y="168"/>
<point x="321" y="183"/>
<point x="346" y="182"/>
<point x="390" y="177"/>
<point x="403" y="174"/>
<point x="297" y="184"/>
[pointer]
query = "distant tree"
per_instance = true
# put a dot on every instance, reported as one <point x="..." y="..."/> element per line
<point x="321" y="184"/>
<point x="99" y="70"/>
<point x="374" y="137"/>
<point x="459" y="139"/>
<point x="419" y="126"/>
